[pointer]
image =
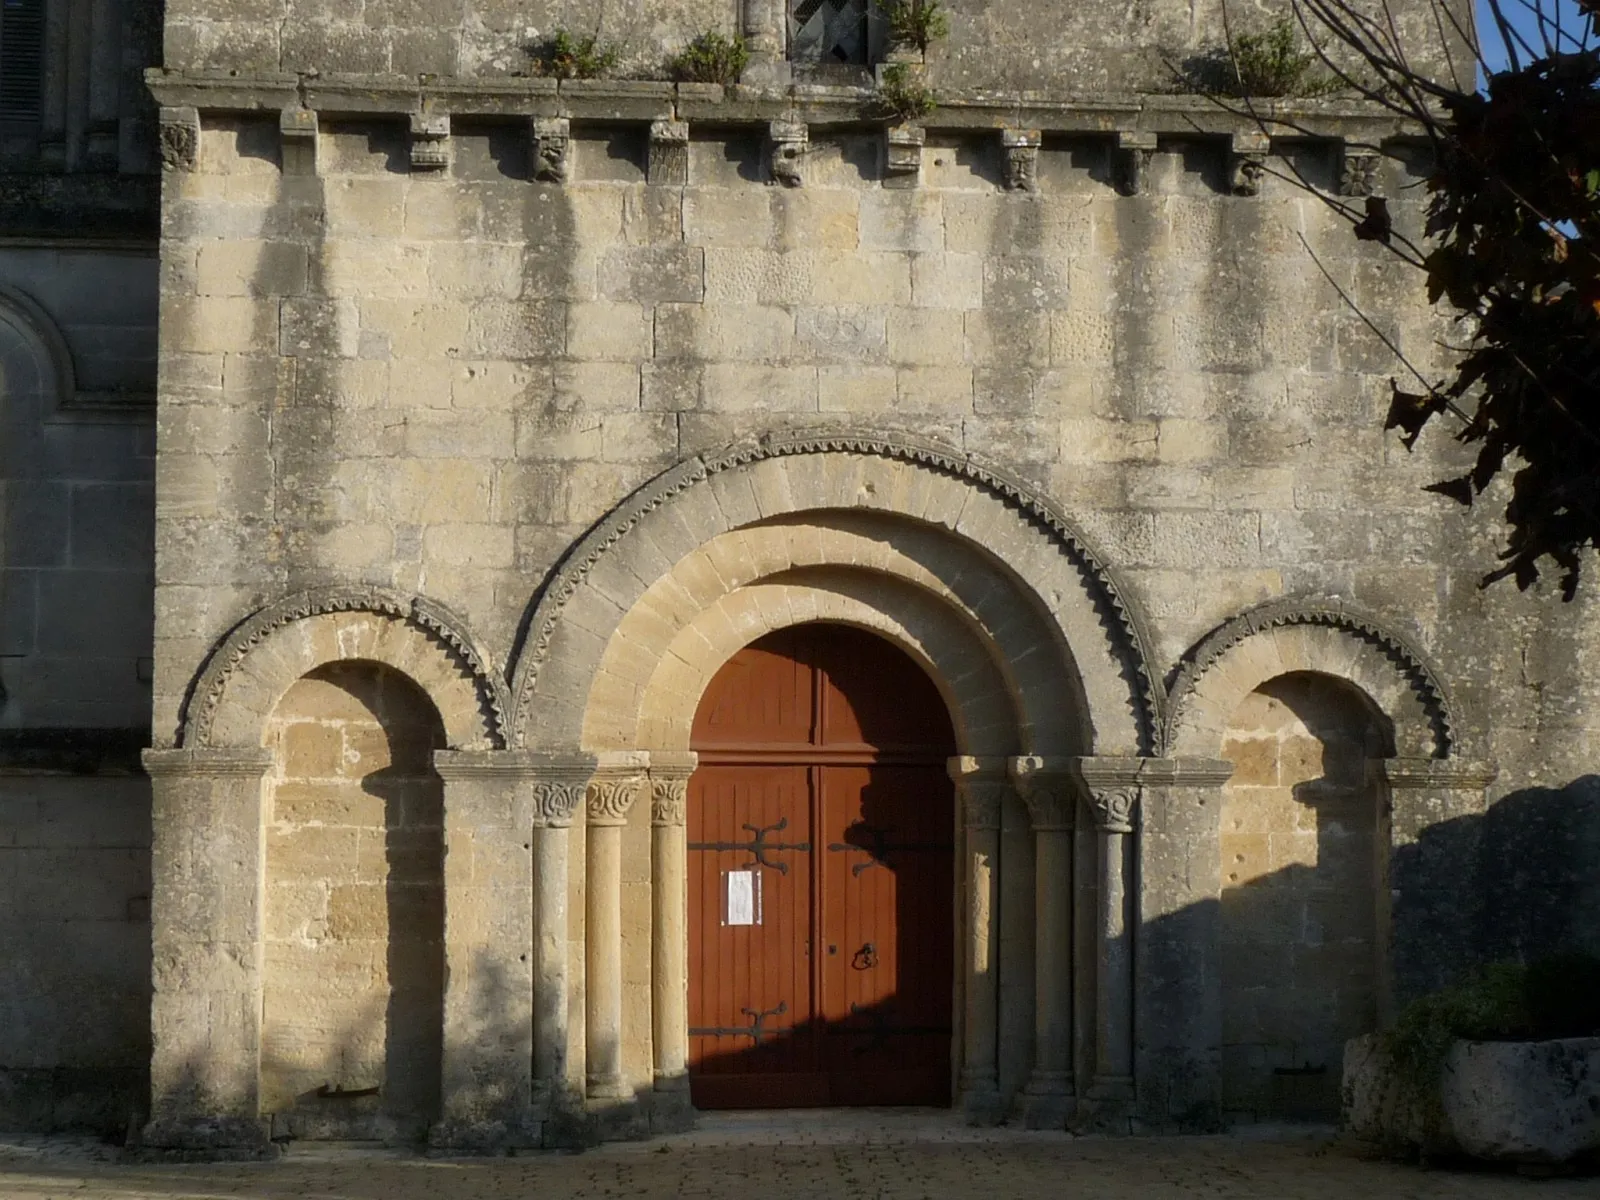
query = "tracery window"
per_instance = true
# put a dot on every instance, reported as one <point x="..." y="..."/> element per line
<point x="828" y="32"/>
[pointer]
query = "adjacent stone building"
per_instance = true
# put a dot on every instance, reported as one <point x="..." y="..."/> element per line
<point x="672" y="594"/>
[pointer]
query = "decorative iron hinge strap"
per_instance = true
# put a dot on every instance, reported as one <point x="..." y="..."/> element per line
<point x="758" y="847"/>
<point x="756" y="1030"/>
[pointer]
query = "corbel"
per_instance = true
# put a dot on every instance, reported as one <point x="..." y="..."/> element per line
<point x="430" y="141"/>
<point x="552" y="149"/>
<point x="297" y="129"/>
<point x="903" y="155"/>
<point x="787" y="142"/>
<point x="1247" y="162"/>
<point x="668" y="161"/>
<point x="1134" y="148"/>
<point x="179" y="138"/>
<point x="1358" y="169"/>
<point x="1021" y="150"/>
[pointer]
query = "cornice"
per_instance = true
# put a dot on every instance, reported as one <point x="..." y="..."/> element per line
<point x="652" y="100"/>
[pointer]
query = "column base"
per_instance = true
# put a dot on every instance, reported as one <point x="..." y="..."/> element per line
<point x="1048" y="1101"/>
<point x="204" y="1139"/>
<point x="671" y="1111"/>
<point x="767" y="70"/>
<point x="619" y="1120"/>
<point x="469" y="1137"/>
<point x="1108" y="1107"/>
<point x="982" y="1106"/>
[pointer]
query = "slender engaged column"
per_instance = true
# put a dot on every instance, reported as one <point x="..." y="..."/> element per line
<point x="1115" y="811"/>
<point x="765" y="37"/>
<point x="617" y="782"/>
<point x="1051" y="794"/>
<point x="981" y="788"/>
<point x="669" y="931"/>
<point x="555" y="792"/>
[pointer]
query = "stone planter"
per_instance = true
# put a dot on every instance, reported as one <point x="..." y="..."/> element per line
<point x="1522" y="1102"/>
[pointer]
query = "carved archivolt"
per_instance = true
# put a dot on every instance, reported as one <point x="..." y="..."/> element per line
<point x="441" y="628"/>
<point x="1408" y="661"/>
<point x="1124" y="626"/>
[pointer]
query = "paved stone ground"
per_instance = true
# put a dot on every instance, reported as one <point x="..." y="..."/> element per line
<point x="859" y="1155"/>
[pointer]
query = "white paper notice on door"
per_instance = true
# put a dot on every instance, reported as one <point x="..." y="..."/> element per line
<point x="744" y="897"/>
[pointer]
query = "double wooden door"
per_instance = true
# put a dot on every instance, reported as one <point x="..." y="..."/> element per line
<point x="821" y="888"/>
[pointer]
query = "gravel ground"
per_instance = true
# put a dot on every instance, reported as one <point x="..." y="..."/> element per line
<point x="859" y="1154"/>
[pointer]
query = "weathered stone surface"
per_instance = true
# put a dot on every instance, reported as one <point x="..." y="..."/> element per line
<point x="1531" y="1102"/>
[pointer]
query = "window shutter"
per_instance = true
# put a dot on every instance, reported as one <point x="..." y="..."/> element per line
<point x="21" y="58"/>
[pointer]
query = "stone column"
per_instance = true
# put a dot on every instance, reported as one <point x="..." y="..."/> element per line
<point x="617" y="782"/>
<point x="488" y="1102"/>
<point x="669" y="936"/>
<point x="207" y="860"/>
<point x="767" y="39"/>
<point x="554" y="788"/>
<point x="1115" y="810"/>
<point x="981" y="788"/>
<point x="1051" y="794"/>
<point x="1430" y="902"/>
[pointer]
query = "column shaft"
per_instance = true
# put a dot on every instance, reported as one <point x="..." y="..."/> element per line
<point x="550" y="987"/>
<point x="669" y="929"/>
<point x="1115" y="811"/>
<point x="611" y="793"/>
<point x="980" y="791"/>
<point x="1052" y="799"/>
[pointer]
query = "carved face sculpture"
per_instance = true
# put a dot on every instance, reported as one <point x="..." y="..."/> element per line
<point x="552" y="160"/>
<point x="1022" y="168"/>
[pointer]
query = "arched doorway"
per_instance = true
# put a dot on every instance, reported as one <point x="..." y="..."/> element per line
<point x="821" y="881"/>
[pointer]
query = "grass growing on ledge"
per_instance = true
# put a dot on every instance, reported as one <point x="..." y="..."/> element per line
<point x="710" y="58"/>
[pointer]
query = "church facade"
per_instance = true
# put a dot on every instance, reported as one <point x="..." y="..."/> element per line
<point x="671" y="596"/>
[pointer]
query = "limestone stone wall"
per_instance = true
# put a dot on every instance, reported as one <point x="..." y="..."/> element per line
<point x="75" y="938"/>
<point x="392" y="356"/>
<point x="1015" y="45"/>
<point x="354" y="974"/>
<point x="1303" y="854"/>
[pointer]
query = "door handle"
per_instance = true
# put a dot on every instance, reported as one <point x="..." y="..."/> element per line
<point x="865" y="958"/>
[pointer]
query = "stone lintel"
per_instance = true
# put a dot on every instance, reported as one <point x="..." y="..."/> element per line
<point x="204" y="761"/>
<point x="1106" y="771"/>
<point x="516" y="764"/>
<point x="1445" y="774"/>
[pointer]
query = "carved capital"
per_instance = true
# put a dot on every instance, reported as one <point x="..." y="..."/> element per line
<point x="1358" y="171"/>
<point x="668" y="801"/>
<point x="1116" y="810"/>
<point x="981" y="790"/>
<point x="1021" y="150"/>
<point x="552" y="140"/>
<point x="1048" y="789"/>
<point x="668" y="162"/>
<point x="669" y="786"/>
<point x="615" y="785"/>
<point x="1134" y="150"/>
<point x="787" y="143"/>
<point x="555" y="801"/>
<point x="179" y="138"/>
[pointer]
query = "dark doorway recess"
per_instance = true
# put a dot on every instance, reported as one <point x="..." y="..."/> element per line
<point x="821" y="901"/>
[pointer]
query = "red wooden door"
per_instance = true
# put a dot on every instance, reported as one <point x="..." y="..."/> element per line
<point x="820" y="878"/>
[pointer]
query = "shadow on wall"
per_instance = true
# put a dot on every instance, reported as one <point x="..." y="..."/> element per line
<point x="1518" y="882"/>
